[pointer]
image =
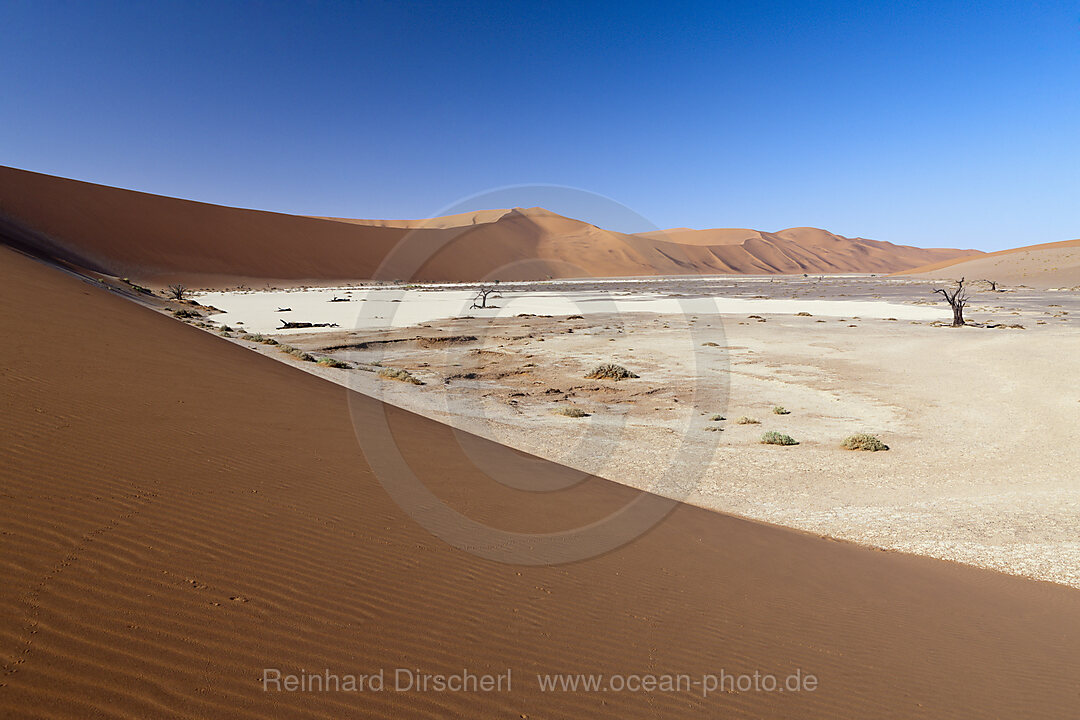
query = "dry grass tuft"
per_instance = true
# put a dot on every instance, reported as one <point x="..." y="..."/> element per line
<point x="610" y="371"/>
<point x="399" y="375"/>
<point x="863" y="441"/>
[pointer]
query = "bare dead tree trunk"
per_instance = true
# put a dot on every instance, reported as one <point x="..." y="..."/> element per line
<point x="483" y="293"/>
<point x="992" y="284"/>
<point x="957" y="299"/>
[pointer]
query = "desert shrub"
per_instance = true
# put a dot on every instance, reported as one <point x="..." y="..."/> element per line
<point x="803" y="314"/>
<point x="743" y="420"/>
<point x="399" y="375"/>
<point x="137" y="288"/>
<point x="259" y="338"/>
<point x="863" y="441"/>
<point x="610" y="371"/>
<point x="781" y="410"/>
<point x="717" y="418"/>
<point x="185" y="313"/>
<point x="331" y="362"/>
<point x="297" y="353"/>
<point x="572" y="412"/>
<point x="710" y="344"/>
<point x="774" y="438"/>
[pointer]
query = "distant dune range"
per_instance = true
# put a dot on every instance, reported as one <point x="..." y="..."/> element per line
<point x="1047" y="265"/>
<point x="156" y="240"/>
<point x="179" y="513"/>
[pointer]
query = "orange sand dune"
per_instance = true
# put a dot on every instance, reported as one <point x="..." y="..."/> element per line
<point x="809" y="250"/>
<point x="1046" y="265"/>
<point x="156" y="240"/>
<point x="179" y="513"/>
<point x="446" y="221"/>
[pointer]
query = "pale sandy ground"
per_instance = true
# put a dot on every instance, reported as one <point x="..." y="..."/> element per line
<point x="982" y="423"/>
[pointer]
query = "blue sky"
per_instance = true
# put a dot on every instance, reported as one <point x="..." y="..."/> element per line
<point x="926" y="123"/>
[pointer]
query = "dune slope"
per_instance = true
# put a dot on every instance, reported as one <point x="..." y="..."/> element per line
<point x="798" y="250"/>
<point x="179" y="513"/>
<point x="1040" y="266"/>
<point x="157" y="240"/>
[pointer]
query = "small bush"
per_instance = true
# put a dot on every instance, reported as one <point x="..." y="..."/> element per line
<point x="297" y="353"/>
<point x="863" y="441"/>
<point x="185" y="313"/>
<point x="781" y="410"/>
<point x="717" y="418"/>
<point x="710" y="344"/>
<point x="259" y="338"/>
<point x="399" y="375"/>
<point x="332" y="362"/>
<point x="610" y="371"/>
<point x="137" y="288"/>
<point x="803" y="314"/>
<point x="572" y="412"/>
<point x="774" y="438"/>
<point x="747" y="421"/>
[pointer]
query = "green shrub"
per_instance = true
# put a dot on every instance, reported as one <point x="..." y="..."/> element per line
<point x="781" y="410"/>
<point x="743" y="420"/>
<point x="774" y="438"/>
<point x="399" y="375"/>
<point x="572" y="412"/>
<point x="332" y="362"/>
<point x="863" y="441"/>
<point x="610" y="371"/>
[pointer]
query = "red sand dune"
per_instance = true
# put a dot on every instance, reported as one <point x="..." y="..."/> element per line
<point x="156" y="240"/>
<point x="1046" y="265"/>
<point x="179" y="513"/>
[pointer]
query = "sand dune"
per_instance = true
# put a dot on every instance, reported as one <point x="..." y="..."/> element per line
<point x="156" y="240"/>
<point x="179" y="513"/>
<point x="446" y="221"/>
<point x="805" y="249"/>
<point x="1049" y="265"/>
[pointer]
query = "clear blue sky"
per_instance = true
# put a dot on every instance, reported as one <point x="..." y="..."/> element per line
<point x="928" y="123"/>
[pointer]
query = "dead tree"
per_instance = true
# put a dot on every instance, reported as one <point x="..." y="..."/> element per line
<point x="298" y="325"/>
<point x="992" y="284"/>
<point x="957" y="299"/>
<point x="176" y="292"/>
<point x="483" y="293"/>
